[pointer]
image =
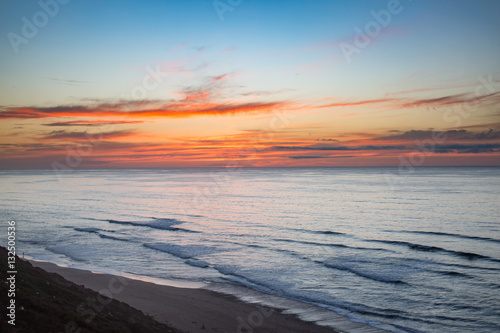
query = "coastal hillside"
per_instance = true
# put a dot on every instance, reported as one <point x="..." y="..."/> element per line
<point x="46" y="302"/>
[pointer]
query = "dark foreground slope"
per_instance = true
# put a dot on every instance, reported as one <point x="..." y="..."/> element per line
<point x="46" y="302"/>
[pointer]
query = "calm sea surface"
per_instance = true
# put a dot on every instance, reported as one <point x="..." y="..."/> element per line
<point x="414" y="251"/>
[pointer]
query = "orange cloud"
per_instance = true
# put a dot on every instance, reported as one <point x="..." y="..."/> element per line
<point x="138" y="109"/>
<point x="84" y="136"/>
<point x="92" y="123"/>
<point x="347" y="104"/>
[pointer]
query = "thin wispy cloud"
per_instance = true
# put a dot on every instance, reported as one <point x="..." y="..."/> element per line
<point x="84" y="135"/>
<point x="454" y="100"/>
<point x="266" y="93"/>
<point x="67" y="82"/>
<point x="439" y="148"/>
<point x="461" y="134"/>
<point x="92" y="123"/>
<point x="303" y="157"/>
<point x="186" y="108"/>
<point x="356" y="103"/>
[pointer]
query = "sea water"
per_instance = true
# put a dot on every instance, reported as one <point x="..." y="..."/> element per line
<point x="404" y="250"/>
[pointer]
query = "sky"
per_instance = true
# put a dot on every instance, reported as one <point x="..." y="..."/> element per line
<point x="249" y="83"/>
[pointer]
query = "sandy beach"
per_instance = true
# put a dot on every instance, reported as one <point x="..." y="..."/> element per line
<point x="193" y="310"/>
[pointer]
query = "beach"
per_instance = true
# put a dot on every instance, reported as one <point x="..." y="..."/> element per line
<point x="193" y="310"/>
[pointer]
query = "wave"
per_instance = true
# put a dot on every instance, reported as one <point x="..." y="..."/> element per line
<point x="233" y="274"/>
<point x="155" y="223"/>
<point x="453" y="273"/>
<point x="330" y="245"/>
<point x="32" y="242"/>
<point x="322" y="232"/>
<point x="68" y="251"/>
<point x="436" y="233"/>
<point x="371" y="276"/>
<point x="197" y="263"/>
<point x="193" y="215"/>
<point x="426" y="248"/>
<point x="387" y="270"/>
<point x="182" y="251"/>
<point x="113" y="238"/>
<point x="396" y="314"/>
<point x="256" y="246"/>
<point x="326" y="232"/>
<point x="98" y="233"/>
<point x="91" y="230"/>
<point x="471" y="267"/>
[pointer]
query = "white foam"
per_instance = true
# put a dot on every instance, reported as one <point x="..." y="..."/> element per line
<point x="304" y="311"/>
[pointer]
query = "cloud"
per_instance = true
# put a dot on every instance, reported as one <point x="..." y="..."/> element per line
<point x="438" y="148"/>
<point x="67" y="135"/>
<point x="338" y="148"/>
<point x="442" y="101"/>
<point x="480" y="126"/>
<point x="67" y="82"/>
<point x="204" y="99"/>
<point x="208" y="99"/>
<point x="298" y="157"/>
<point x="468" y="149"/>
<point x="453" y="100"/>
<point x="328" y="139"/>
<point x="365" y="102"/>
<point x="209" y="90"/>
<point x="91" y="123"/>
<point x="266" y="93"/>
<point x="453" y="134"/>
<point x="14" y="148"/>
<point x="187" y="108"/>
<point x="301" y="157"/>
<point x="436" y="88"/>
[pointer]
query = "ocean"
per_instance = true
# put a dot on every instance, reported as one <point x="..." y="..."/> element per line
<point x="402" y="250"/>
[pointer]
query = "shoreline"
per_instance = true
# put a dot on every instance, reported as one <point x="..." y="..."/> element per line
<point x="200" y="309"/>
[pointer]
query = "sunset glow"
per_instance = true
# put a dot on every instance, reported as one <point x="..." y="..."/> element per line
<point x="174" y="84"/>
